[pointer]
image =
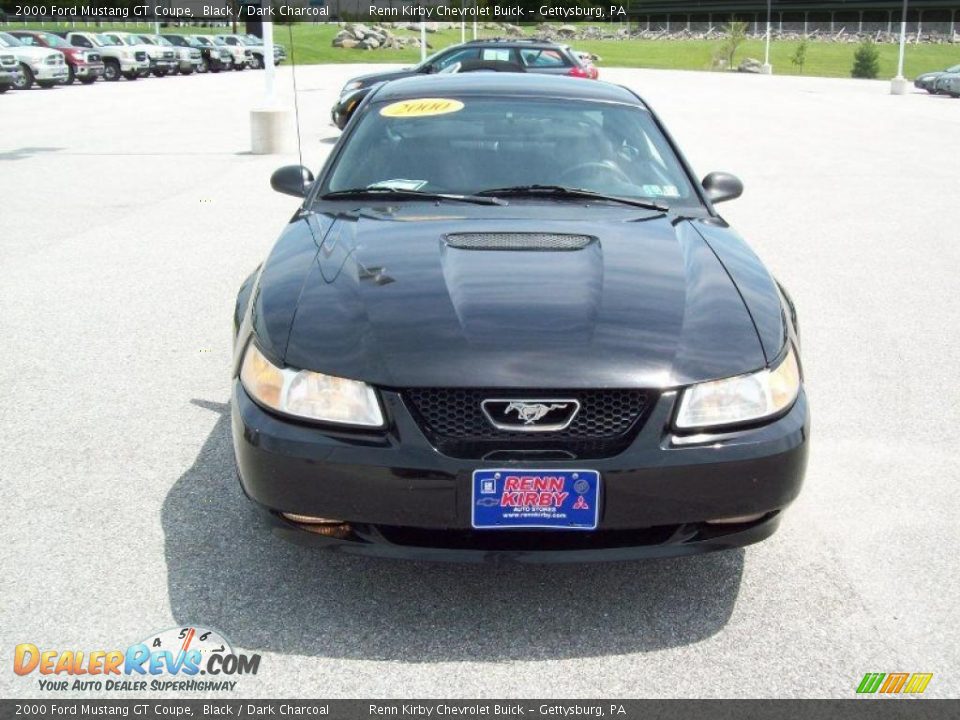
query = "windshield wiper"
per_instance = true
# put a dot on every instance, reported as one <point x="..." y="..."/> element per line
<point x="563" y="191"/>
<point x="404" y="193"/>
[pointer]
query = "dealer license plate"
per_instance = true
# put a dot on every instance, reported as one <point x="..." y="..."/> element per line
<point x="556" y="499"/>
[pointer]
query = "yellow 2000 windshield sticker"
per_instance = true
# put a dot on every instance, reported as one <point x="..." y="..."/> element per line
<point x="421" y="107"/>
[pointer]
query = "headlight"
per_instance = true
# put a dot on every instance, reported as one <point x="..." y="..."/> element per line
<point x="740" y="399"/>
<point x="307" y="394"/>
<point x="352" y="85"/>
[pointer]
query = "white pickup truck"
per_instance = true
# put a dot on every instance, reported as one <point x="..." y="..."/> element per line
<point x="162" y="59"/>
<point x="118" y="59"/>
<point x="42" y="66"/>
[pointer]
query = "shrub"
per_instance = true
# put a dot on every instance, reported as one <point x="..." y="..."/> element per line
<point x="866" y="60"/>
<point x="800" y="55"/>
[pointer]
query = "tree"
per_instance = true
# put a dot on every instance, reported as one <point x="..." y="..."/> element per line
<point x="866" y="60"/>
<point x="800" y="55"/>
<point x="736" y="34"/>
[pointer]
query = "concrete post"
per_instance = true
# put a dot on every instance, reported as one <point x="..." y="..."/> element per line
<point x="271" y="125"/>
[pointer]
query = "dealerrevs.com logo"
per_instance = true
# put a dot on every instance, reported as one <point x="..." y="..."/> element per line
<point x="178" y="659"/>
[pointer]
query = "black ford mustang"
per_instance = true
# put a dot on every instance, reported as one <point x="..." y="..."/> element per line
<point x="507" y="321"/>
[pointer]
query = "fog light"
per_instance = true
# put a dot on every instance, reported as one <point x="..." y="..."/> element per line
<point x="737" y="520"/>
<point x="328" y="527"/>
<point x="310" y="520"/>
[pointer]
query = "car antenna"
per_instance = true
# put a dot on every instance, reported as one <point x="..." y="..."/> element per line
<point x="296" y="104"/>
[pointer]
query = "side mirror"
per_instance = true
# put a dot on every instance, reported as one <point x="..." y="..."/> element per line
<point x="292" y="180"/>
<point x="428" y="69"/>
<point x="721" y="186"/>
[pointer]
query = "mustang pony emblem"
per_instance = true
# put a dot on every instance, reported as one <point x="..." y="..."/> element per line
<point x="531" y="412"/>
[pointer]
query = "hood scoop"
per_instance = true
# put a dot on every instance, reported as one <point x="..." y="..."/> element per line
<point x="536" y="242"/>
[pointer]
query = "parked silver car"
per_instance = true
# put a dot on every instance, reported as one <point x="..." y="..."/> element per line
<point x="928" y="80"/>
<point x="950" y="84"/>
<point x="187" y="60"/>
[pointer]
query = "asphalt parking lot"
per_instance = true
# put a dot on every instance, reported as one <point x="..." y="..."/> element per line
<point x="131" y="212"/>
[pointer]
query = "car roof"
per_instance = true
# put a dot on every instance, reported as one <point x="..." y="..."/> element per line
<point x="506" y="84"/>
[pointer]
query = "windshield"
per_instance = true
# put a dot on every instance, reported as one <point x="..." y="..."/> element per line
<point x="104" y="41"/>
<point x="480" y="144"/>
<point x="54" y="41"/>
<point x="7" y="40"/>
<point x="202" y="41"/>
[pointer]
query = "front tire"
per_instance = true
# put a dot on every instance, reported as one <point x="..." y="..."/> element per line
<point x="71" y="75"/>
<point x="256" y="62"/>
<point x="132" y="75"/>
<point x="25" y="82"/>
<point x="89" y="80"/>
<point x="46" y="84"/>
<point x="111" y="71"/>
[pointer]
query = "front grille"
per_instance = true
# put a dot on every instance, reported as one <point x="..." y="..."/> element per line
<point x="140" y="55"/>
<point x="93" y="57"/>
<point x="168" y="55"/>
<point x="454" y="422"/>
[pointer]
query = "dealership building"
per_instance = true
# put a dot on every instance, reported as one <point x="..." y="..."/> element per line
<point x="923" y="16"/>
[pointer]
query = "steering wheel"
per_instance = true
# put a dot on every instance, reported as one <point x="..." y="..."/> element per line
<point x="595" y="168"/>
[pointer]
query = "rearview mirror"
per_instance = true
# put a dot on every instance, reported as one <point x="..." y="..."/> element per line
<point x="721" y="186"/>
<point x="292" y="180"/>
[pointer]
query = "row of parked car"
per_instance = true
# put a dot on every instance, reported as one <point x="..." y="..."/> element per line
<point x="942" y="82"/>
<point x="29" y="57"/>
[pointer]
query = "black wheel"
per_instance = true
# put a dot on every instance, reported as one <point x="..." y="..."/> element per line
<point x="25" y="81"/>
<point x="132" y="75"/>
<point x="188" y="71"/>
<point x="111" y="71"/>
<point x="256" y="62"/>
<point x="89" y="80"/>
<point x="238" y="66"/>
<point x="46" y="84"/>
<point x="159" y="72"/>
<point x="71" y="75"/>
<point x="4" y="88"/>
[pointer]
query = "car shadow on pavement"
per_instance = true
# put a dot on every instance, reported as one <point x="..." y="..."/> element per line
<point x="27" y="152"/>
<point x="226" y="571"/>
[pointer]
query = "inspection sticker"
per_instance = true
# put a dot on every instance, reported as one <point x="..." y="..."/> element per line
<point x="421" y="107"/>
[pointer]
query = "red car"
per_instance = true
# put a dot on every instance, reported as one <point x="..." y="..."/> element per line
<point x="83" y="64"/>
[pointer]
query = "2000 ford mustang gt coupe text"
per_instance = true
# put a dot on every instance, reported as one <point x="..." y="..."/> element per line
<point x="507" y="321"/>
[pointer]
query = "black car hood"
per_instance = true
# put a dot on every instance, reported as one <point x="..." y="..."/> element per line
<point x="369" y="79"/>
<point x="383" y="297"/>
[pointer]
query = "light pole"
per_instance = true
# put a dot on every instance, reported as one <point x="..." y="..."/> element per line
<point x="767" y="67"/>
<point x="423" y="41"/>
<point x="898" y="86"/>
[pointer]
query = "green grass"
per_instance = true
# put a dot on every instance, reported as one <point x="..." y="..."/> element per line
<point x="311" y="45"/>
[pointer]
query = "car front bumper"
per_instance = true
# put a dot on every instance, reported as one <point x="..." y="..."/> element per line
<point x="45" y="73"/>
<point x="86" y="70"/>
<point x="403" y="498"/>
<point x="345" y="106"/>
<point x="138" y="66"/>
